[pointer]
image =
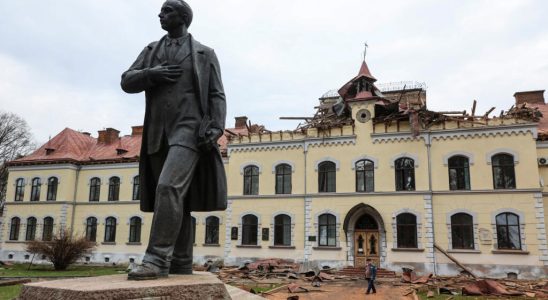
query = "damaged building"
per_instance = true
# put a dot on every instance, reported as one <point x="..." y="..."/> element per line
<point x="373" y="173"/>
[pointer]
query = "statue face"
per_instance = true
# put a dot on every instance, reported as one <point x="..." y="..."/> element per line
<point x="169" y="17"/>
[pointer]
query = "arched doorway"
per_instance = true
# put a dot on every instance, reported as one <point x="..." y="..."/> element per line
<point x="365" y="235"/>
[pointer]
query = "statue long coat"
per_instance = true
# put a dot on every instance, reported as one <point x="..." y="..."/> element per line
<point x="208" y="190"/>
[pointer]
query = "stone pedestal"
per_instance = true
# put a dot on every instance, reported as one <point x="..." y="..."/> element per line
<point x="200" y="285"/>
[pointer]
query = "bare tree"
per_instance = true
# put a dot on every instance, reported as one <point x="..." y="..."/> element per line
<point x="15" y="141"/>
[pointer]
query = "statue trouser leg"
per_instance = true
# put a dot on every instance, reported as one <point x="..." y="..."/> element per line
<point x="171" y="225"/>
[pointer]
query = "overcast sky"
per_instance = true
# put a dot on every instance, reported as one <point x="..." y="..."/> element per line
<point x="61" y="61"/>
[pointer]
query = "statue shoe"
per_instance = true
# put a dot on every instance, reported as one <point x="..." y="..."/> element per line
<point x="146" y="271"/>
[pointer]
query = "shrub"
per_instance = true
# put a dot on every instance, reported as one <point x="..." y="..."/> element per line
<point x="63" y="250"/>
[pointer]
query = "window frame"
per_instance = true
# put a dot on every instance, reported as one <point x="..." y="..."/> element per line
<point x="19" y="190"/>
<point x="329" y="226"/>
<point x="47" y="229"/>
<point x="284" y="174"/>
<point x="404" y="229"/>
<point x="251" y="180"/>
<point x="91" y="229"/>
<point x="114" y="188"/>
<point x="35" y="189"/>
<point x="135" y="225"/>
<point x="367" y="168"/>
<point x="508" y="231"/>
<point x="212" y="226"/>
<point x="282" y="230"/>
<point x="402" y="169"/>
<point x="136" y="189"/>
<point x="15" y="228"/>
<point x="53" y="184"/>
<point x="94" y="189"/>
<point x="327" y="171"/>
<point x="250" y="230"/>
<point x="30" y="233"/>
<point x="507" y="171"/>
<point x="110" y="230"/>
<point x="461" y="184"/>
<point x="464" y="228"/>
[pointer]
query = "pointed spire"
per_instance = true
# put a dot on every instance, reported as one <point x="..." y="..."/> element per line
<point x="364" y="72"/>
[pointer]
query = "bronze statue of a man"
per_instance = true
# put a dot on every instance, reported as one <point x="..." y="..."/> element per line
<point x="180" y="166"/>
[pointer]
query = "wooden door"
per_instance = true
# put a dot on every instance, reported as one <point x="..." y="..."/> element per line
<point x="366" y="245"/>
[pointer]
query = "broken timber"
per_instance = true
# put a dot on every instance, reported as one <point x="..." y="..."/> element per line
<point x="455" y="260"/>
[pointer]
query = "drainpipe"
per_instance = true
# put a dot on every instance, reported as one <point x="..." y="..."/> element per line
<point x="78" y="168"/>
<point x="429" y="154"/>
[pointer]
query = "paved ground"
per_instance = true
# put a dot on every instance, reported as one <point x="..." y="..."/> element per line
<point x="352" y="290"/>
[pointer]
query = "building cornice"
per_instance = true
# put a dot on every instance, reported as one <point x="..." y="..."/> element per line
<point x="472" y="132"/>
<point x="291" y="144"/>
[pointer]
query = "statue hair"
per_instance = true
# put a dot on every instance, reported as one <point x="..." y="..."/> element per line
<point x="183" y="9"/>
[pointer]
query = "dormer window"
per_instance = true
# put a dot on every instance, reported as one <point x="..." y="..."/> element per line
<point x="49" y="151"/>
<point x="120" y="151"/>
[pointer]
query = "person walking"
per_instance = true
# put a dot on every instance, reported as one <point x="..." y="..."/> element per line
<point x="370" y="275"/>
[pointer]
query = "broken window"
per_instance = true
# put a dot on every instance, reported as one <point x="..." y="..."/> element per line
<point x="405" y="174"/>
<point x="508" y="231"/>
<point x="212" y="231"/>
<point x="459" y="173"/>
<point x="406" y="230"/>
<point x="462" y="231"/>
<point x="503" y="171"/>
<point x="364" y="176"/>
<point x="327" y="177"/>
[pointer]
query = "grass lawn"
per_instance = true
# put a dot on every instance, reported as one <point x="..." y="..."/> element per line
<point x="9" y="292"/>
<point x="20" y="270"/>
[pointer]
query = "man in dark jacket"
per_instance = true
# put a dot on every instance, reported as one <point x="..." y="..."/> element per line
<point x="180" y="167"/>
<point x="370" y="275"/>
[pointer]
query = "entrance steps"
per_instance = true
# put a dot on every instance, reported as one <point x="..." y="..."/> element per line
<point x="360" y="272"/>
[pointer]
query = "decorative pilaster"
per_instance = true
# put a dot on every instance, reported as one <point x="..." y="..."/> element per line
<point x="307" y="228"/>
<point x="429" y="229"/>
<point x="541" y="228"/>
<point x="63" y="217"/>
<point x="228" y="227"/>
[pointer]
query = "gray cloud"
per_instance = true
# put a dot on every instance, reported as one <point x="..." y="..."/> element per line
<point x="61" y="60"/>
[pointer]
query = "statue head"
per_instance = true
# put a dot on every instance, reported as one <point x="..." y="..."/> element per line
<point x="175" y="13"/>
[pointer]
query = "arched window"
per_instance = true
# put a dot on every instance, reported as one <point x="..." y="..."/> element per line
<point x="327" y="179"/>
<point x="405" y="174"/>
<point x="47" y="232"/>
<point x="14" y="228"/>
<point x="91" y="229"/>
<point x="251" y="180"/>
<point x="407" y="230"/>
<point x="193" y="221"/>
<point x="365" y="176"/>
<point x="508" y="231"/>
<point x="135" y="230"/>
<point x="136" y="188"/>
<point x="35" y="190"/>
<point x="94" y="189"/>
<point x="31" y="229"/>
<point x="250" y="225"/>
<point x="114" y="189"/>
<point x="462" y="231"/>
<point x="459" y="173"/>
<point x="283" y="179"/>
<point x="327" y="230"/>
<point x="19" y="189"/>
<point x="282" y="230"/>
<point x="504" y="176"/>
<point x="110" y="230"/>
<point x="212" y="231"/>
<point x="53" y="182"/>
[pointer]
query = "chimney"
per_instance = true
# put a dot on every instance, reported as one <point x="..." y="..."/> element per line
<point x="136" y="130"/>
<point x="536" y="97"/>
<point x="108" y="136"/>
<point x="241" y="122"/>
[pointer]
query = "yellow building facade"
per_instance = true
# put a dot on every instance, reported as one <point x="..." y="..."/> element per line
<point x="398" y="185"/>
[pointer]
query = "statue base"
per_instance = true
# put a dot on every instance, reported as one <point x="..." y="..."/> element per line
<point x="200" y="285"/>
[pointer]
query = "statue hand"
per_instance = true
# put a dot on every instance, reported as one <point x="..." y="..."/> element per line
<point x="212" y="136"/>
<point x="165" y="73"/>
